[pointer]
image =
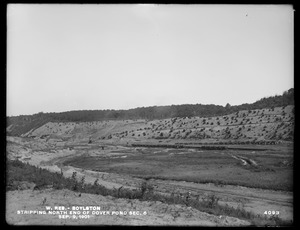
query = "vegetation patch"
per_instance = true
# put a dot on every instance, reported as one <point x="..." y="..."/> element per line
<point x="199" y="167"/>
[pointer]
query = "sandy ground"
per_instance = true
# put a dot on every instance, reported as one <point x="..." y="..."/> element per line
<point x="151" y="213"/>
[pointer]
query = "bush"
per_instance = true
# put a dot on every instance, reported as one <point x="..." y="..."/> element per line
<point x="210" y="201"/>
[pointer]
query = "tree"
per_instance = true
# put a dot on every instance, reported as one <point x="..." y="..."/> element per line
<point x="227" y="106"/>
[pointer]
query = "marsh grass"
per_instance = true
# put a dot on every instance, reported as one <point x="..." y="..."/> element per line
<point x="197" y="167"/>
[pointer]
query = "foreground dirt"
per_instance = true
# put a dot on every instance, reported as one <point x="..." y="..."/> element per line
<point x="152" y="213"/>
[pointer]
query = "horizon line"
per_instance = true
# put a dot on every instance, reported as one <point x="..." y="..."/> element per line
<point x="145" y="106"/>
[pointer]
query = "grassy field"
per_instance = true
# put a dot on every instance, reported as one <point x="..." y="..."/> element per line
<point x="273" y="169"/>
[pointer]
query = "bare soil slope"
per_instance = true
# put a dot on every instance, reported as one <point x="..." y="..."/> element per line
<point x="247" y="126"/>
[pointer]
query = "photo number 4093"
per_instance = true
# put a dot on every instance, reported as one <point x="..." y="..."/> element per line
<point x="271" y="213"/>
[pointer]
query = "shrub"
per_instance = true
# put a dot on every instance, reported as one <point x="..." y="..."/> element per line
<point x="211" y="200"/>
<point x="146" y="188"/>
<point x="74" y="181"/>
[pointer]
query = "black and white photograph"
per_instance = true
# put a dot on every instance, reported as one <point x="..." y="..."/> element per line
<point x="149" y="115"/>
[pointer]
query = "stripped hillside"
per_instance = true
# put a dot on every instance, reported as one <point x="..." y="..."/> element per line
<point x="247" y="125"/>
<point x="19" y="125"/>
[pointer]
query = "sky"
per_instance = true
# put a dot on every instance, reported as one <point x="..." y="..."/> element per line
<point x="64" y="57"/>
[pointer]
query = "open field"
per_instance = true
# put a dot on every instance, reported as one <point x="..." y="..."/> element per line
<point x="258" y="180"/>
<point x="269" y="170"/>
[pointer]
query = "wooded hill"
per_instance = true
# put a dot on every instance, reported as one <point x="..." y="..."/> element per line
<point x="17" y="125"/>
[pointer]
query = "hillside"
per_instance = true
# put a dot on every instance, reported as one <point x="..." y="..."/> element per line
<point x="18" y="125"/>
<point x="246" y="125"/>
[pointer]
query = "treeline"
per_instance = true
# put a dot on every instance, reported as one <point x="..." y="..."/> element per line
<point x="25" y="123"/>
